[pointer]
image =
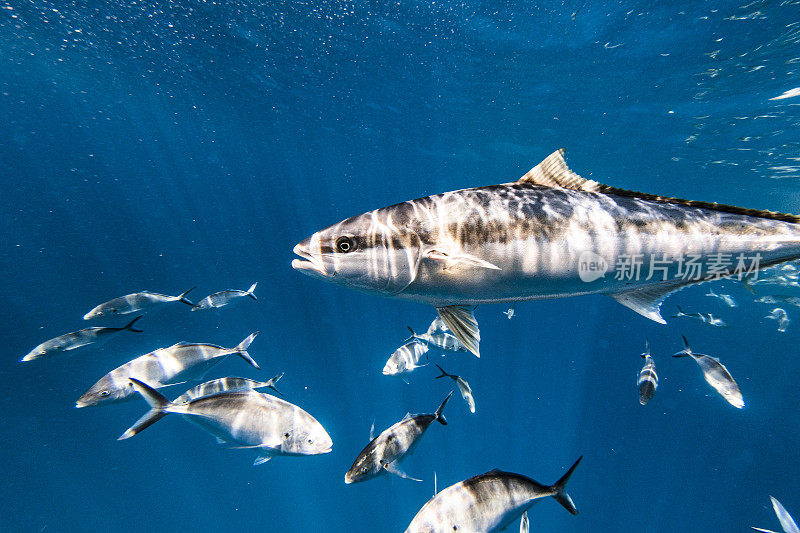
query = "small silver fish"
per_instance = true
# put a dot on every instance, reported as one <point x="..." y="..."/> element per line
<point x="727" y="299"/>
<point x="178" y="363"/>
<point x="405" y="359"/>
<point x="245" y="419"/>
<point x="463" y="388"/>
<point x="707" y="318"/>
<point x="131" y="303"/>
<point x="76" y="339"/>
<point x="443" y="341"/>
<point x="384" y="452"/>
<point x="223" y="298"/>
<point x="779" y="298"/>
<point x="715" y="375"/>
<point x="648" y="379"/>
<point x="781" y="316"/>
<point x="787" y="522"/>
<point x="510" y="315"/>
<point x="488" y="502"/>
<point x="227" y="384"/>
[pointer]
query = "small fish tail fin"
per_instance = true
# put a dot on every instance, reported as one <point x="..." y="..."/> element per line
<point x="250" y="291"/>
<point x="439" y="416"/>
<point x="443" y="373"/>
<point x="158" y="408"/>
<point x="241" y="349"/>
<point x="560" y="487"/>
<point x="273" y="380"/>
<point x="182" y="297"/>
<point x="646" y="348"/>
<point x="129" y="325"/>
<point x="413" y="335"/>
<point x="687" y="350"/>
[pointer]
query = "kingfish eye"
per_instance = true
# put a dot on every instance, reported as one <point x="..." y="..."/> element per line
<point x="309" y="441"/>
<point x="286" y="435"/>
<point x="345" y="244"/>
<point x="103" y="393"/>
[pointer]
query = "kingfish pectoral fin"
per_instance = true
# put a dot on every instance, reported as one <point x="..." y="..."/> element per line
<point x="560" y="487"/>
<point x="524" y="523"/>
<point x="261" y="459"/>
<point x="461" y="322"/>
<point x="787" y="522"/>
<point x="454" y="260"/>
<point x="393" y="468"/>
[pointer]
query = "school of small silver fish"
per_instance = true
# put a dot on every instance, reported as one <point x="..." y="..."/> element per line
<point x="551" y="234"/>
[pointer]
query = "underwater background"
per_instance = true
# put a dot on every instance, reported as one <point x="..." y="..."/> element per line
<point x="164" y="145"/>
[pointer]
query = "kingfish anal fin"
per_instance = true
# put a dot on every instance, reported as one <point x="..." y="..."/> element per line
<point x="453" y="260"/>
<point x="524" y="523"/>
<point x="394" y="469"/>
<point x="461" y="322"/>
<point x="647" y="300"/>
<point x="553" y="172"/>
<point x="261" y="459"/>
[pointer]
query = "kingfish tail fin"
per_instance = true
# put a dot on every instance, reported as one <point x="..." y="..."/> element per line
<point x="687" y="350"/>
<point x="273" y="380"/>
<point x="439" y="416"/>
<point x="158" y="405"/>
<point x="461" y="322"/>
<point x="129" y="325"/>
<point x="250" y="291"/>
<point x="443" y="375"/>
<point x="182" y="297"/>
<point x="241" y="349"/>
<point x="560" y="487"/>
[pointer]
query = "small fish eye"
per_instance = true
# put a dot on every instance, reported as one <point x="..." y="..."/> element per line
<point x="345" y="244"/>
<point x="309" y="441"/>
<point x="104" y="393"/>
<point x="286" y="435"/>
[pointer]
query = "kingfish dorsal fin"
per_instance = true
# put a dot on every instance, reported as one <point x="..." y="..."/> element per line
<point x="393" y="468"/>
<point x="553" y="172"/>
<point x="461" y="322"/>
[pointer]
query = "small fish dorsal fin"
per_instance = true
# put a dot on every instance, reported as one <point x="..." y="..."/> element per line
<point x="554" y="172"/>
<point x="408" y="416"/>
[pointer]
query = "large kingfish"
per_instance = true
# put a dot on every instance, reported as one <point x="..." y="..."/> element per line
<point x="244" y="419"/>
<point x="488" y="502"/>
<point x="551" y="234"/>
<point x="175" y="364"/>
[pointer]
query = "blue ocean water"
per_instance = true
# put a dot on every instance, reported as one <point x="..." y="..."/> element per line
<point x="159" y="146"/>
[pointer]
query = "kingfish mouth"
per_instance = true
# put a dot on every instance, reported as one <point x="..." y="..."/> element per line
<point x="310" y="264"/>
